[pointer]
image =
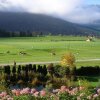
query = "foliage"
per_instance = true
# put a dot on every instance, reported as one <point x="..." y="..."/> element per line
<point x="24" y="97"/>
<point x="84" y="83"/>
<point x="68" y="60"/>
<point x="66" y="96"/>
<point x="88" y="71"/>
<point x="50" y="69"/>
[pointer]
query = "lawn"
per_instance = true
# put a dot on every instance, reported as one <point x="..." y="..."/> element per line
<point x="38" y="49"/>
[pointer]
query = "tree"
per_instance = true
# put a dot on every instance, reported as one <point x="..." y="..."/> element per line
<point x="68" y="60"/>
<point x="50" y="69"/>
<point x="19" y="69"/>
<point x="14" y="70"/>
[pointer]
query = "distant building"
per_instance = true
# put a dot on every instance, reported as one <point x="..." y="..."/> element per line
<point x="89" y="39"/>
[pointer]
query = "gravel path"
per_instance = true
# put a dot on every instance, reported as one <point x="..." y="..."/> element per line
<point x="24" y="63"/>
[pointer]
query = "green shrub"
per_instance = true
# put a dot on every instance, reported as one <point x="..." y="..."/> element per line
<point x="24" y="97"/>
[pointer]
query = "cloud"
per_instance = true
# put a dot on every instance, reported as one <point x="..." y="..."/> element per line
<point x="40" y="6"/>
<point x="86" y="14"/>
<point x="70" y="10"/>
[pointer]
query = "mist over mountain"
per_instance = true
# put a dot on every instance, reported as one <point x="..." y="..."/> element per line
<point x="93" y="24"/>
<point x="27" y="22"/>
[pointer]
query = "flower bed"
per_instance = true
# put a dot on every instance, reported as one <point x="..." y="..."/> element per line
<point x="63" y="93"/>
<point x="50" y="78"/>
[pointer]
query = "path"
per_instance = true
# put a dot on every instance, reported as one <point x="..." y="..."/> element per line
<point x="24" y="63"/>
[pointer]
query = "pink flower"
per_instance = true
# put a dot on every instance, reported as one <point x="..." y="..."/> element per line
<point x="33" y="91"/>
<point x="10" y="98"/>
<point x="1" y="95"/>
<point x="26" y="91"/>
<point x="4" y="94"/>
<point x="22" y="92"/>
<point x="63" y="88"/>
<point x="78" y="98"/>
<point x="36" y="94"/>
<point x="56" y="90"/>
<point x="75" y="90"/>
<point x="82" y="94"/>
<point x="81" y="88"/>
<point x="14" y="91"/>
<point x="42" y="93"/>
<point x="98" y="91"/>
<point x="95" y="95"/>
<point x="72" y="93"/>
<point x="67" y="90"/>
<point x="89" y="97"/>
<point x="17" y="92"/>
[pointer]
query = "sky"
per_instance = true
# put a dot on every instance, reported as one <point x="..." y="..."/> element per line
<point x="77" y="11"/>
<point x="92" y="1"/>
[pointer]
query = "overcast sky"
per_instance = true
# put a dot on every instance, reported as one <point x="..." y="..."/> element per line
<point x="78" y="11"/>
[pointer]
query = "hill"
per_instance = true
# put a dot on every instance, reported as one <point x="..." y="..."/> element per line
<point x="26" y="22"/>
<point x="95" y="25"/>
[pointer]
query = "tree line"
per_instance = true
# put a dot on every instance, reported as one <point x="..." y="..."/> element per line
<point x="4" y="33"/>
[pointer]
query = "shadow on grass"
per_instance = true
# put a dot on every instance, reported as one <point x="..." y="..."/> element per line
<point x="90" y="78"/>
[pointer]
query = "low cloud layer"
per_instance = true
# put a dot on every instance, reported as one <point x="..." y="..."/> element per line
<point x="86" y="14"/>
<point x="71" y="10"/>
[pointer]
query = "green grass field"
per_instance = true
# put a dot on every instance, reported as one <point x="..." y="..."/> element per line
<point x="39" y="49"/>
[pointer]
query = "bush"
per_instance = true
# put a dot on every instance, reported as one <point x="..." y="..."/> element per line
<point x="24" y="97"/>
<point x="88" y="71"/>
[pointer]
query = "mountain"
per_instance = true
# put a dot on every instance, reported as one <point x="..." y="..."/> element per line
<point x="27" y="22"/>
<point x="96" y="23"/>
<point x="94" y="26"/>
